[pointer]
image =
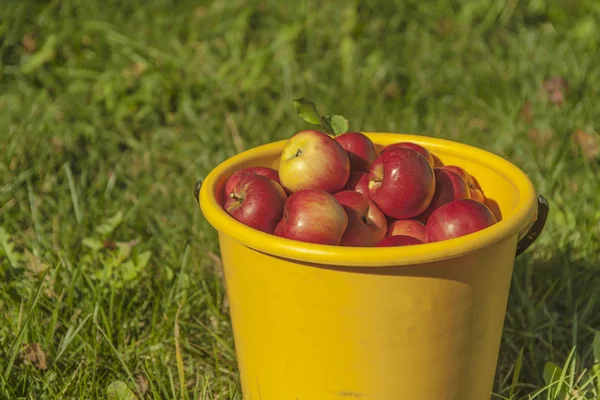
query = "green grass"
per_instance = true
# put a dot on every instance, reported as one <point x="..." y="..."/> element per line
<point x="110" y="111"/>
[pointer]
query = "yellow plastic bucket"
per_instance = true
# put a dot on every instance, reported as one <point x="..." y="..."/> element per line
<point x="316" y="322"/>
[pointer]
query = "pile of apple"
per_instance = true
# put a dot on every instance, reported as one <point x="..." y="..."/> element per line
<point x="338" y="190"/>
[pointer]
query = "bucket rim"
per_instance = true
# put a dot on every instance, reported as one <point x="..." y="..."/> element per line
<point x="360" y="257"/>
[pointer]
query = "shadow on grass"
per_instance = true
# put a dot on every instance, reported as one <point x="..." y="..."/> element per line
<point x="550" y="300"/>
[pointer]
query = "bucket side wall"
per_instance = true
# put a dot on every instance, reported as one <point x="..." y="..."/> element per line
<point x="430" y="331"/>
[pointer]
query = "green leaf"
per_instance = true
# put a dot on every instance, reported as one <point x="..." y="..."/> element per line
<point x="119" y="391"/>
<point x="41" y="57"/>
<point x="4" y="236"/>
<point x="169" y="272"/>
<point x="132" y="268"/>
<point x="552" y="373"/>
<point x="105" y="273"/>
<point x="331" y="124"/>
<point x="596" y="347"/>
<point x="7" y="248"/>
<point x="110" y="224"/>
<point x="326" y="125"/>
<point x="128" y="271"/>
<point x="516" y="373"/>
<point x="596" y="374"/>
<point x="338" y="123"/>
<point x="124" y="250"/>
<point x="142" y="260"/>
<point x="307" y="110"/>
<point x="92" y="243"/>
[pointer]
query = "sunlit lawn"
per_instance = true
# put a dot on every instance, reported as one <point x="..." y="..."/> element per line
<point x="110" y="111"/>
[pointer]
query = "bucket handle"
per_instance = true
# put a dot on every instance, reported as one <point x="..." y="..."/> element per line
<point x="524" y="242"/>
<point x="536" y="227"/>
<point x="197" y="187"/>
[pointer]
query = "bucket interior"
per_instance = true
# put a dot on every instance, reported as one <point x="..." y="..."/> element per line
<point x="502" y="196"/>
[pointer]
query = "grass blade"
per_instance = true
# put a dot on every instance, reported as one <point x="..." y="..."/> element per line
<point x="14" y="349"/>
<point x="74" y="195"/>
<point x="116" y="352"/>
<point x="69" y="337"/>
<point x="180" y="368"/>
<point x="516" y="374"/>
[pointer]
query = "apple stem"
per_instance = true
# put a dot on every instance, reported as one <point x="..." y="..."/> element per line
<point x="238" y="199"/>
<point x="363" y="218"/>
<point x="298" y="153"/>
<point x="375" y="183"/>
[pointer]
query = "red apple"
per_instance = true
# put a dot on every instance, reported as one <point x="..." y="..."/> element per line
<point x="407" y="227"/>
<point x="313" y="160"/>
<point x="458" y="218"/>
<point x="449" y="186"/>
<point x="477" y="194"/>
<point x="474" y="189"/>
<point x="413" y="146"/>
<point x="256" y="201"/>
<point x="398" y="240"/>
<point x="359" y="182"/>
<point x="401" y="183"/>
<point x="360" y="149"/>
<point x="461" y="171"/>
<point x="264" y="171"/>
<point x="366" y="223"/>
<point x="314" y="216"/>
<point x="475" y="184"/>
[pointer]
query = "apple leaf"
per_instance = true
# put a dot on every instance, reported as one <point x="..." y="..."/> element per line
<point x="333" y="125"/>
<point x="338" y="123"/>
<point x="307" y="110"/>
<point x="326" y="125"/>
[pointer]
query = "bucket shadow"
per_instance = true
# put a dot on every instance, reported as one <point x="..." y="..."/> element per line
<point x="494" y="208"/>
<point x="552" y="305"/>
<point x="436" y="161"/>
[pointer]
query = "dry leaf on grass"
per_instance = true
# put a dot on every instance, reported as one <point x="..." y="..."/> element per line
<point x="139" y="68"/>
<point x="588" y="143"/>
<point x="34" y="355"/>
<point x="110" y="244"/>
<point x="29" y="43"/>
<point x="539" y="137"/>
<point x="57" y="144"/>
<point x="392" y="90"/>
<point x="479" y="123"/>
<point x="574" y="186"/>
<point x="200" y="12"/>
<point x="35" y="265"/>
<point x="445" y="26"/>
<point x="527" y="112"/>
<point x="555" y="88"/>
<point x="142" y="384"/>
<point x="555" y="83"/>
